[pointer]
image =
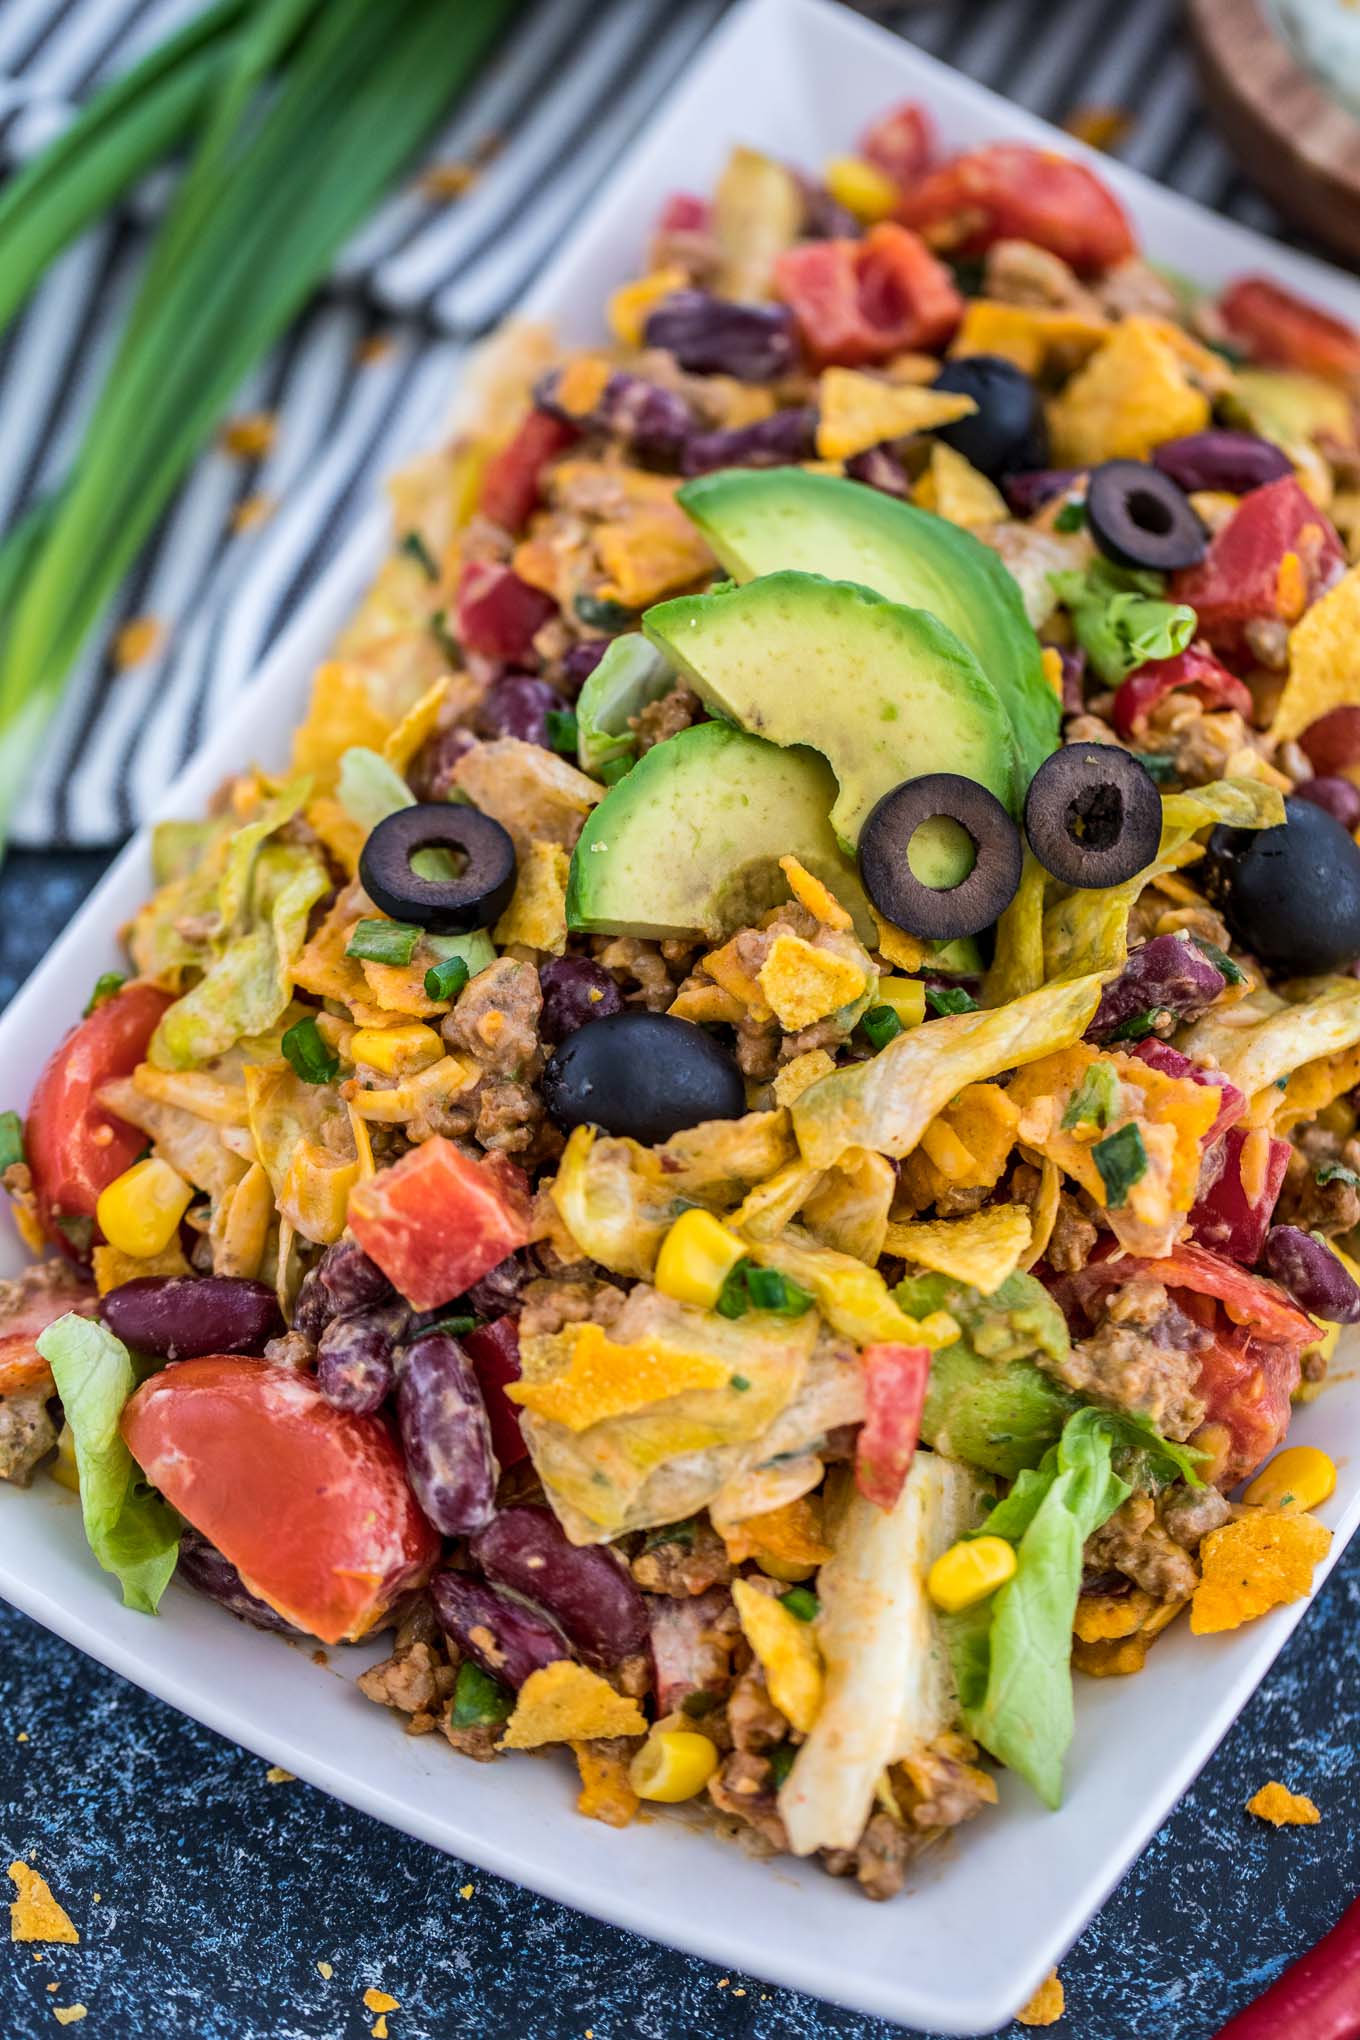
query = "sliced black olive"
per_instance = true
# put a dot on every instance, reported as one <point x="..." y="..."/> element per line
<point x="1139" y="517"/>
<point x="645" y="1075"/>
<point x="478" y="895"/>
<point x="1007" y="433"/>
<point x="938" y="913"/>
<point x="1093" y="815"/>
<point x="1290" y="895"/>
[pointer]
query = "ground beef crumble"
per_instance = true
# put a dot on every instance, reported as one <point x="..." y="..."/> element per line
<point x="1144" y="1356"/>
<point x="682" y="1567"/>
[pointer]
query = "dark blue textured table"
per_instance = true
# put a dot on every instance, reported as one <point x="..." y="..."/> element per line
<point x="219" y="1892"/>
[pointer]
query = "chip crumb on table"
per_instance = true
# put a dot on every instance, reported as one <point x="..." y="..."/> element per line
<point x="325" y="1971"/>
<point x="68" y="2015"/>
<point x="1046" y="2007"/>
<point x="1283" y="1808"/>
<point x="276" y="1775"/>
<point x="35" y="1914"/>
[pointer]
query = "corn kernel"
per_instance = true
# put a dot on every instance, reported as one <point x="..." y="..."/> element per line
<point x="906" y="996"/>
<point x="397" y="1051"/>
<point x="697" y="1256"/>
<point x="63" y="1468"/>
<point x="969" y="1571"/>
<point x="673" y="1764"/>
<point x="632" y="303"/>
<point x="861" y="188"/>
<point x="1298" y="1478"/>
<point x="140" y="1210"/>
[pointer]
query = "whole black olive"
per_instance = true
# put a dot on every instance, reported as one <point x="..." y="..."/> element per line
<point x="479" y="894"/>
<point x="1290" y="895"/>
<point x="1139" y="517"/>
<point x="938" y="913"/>
<point x="645" y="1075"/>
<point x="1093" y="815"/>
<point x="1007" y="432"/>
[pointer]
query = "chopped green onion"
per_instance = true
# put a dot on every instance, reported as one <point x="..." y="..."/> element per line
<point x="1138" y="1025"/>
<point x="1159" y="765"/>
<point x="79" y="1232"/>
<point x="456" y="1327"/>
<point x="478" y="1699"/>
<point x="770" y="1289"/>
<point x="1122" y="1162"/>
<point x="105" y="985"/>
<point x="615" y="769"/>
<point x="733" y="1300"/>
<point x="880" y="1025"/>
<point x="11" y="1140"/>
<point x="1094" y="1099"/>
<point x="681" y="1533"/>
<point x="1072" y="516"/>
<point x="739" y="1383"/>
<point x="781" y="1763"/>
<point x="1326" y="1172"/>
<point x="308" y="1053"/>
<point x="562" y="730"/>
<point x="446" y="980"/>
<point x="950" y="999"/>
<point x="802" y="1602"/>
<point x="415" y="548"/>
<point x="599" y="613"/>
<point x="1220" y="959"/>
<point x="383" y="942"/>
<point x="444" y="637"/>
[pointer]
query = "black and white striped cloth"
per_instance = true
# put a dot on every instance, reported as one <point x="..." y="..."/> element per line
<point x="568" y="88"/>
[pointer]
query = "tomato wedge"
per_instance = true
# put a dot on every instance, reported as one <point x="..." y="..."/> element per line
<point x="74" y="1147"/>
<point x="862" y="301"/>
<point x="1275" y="555"/>
<point x="895" y="1380"/>
<point x="900" y="143"/>
<point x="28" y="1305"/>
<point x="437" y="1221"/>
<point x="1285" y="331"/>
<point x="1195" y="671"/>
<point x="513" y="477"/>
<point x="311" y="1504"/>
<point x="1232" y="1212"/>
<point x="1011" y="191"/>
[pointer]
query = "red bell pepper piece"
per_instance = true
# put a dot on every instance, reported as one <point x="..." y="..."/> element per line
<point x="862" y="301"/>
<point x="437" y="1221"/>
<point x="1229" y="1217"/>
<point x="1272" y="325"/>
<point x="1317" y="1997"/>
<point x="895" y="1380"/>
<point x="513" y="479"/>
<point x="1160" y="1055"/>
<point x="1275" y="555"/>
<point x="900" y="143"/>
<point x="494" y="1352"/>
<point x="498" y="613"/>
<point x="1011" y="191"/>
<point x="1195" y="671"/>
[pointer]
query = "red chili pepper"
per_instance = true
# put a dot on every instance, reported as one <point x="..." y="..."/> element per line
<point x="862" y="301"/>
<point x="895" y="1380"/>
<point x="1195" y="671"/>
<point x="513" y="477"/>
<point x="1317" y="1997"/>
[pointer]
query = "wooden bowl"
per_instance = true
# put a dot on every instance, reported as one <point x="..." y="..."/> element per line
<point x="1301" y="146"/>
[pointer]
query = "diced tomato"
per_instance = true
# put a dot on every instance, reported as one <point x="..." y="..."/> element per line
<point x="74" y="1147"/>
<point x="40" y="1296"/>
<point x="311" y="1504"/>
<point x="494" y="1352"/>
<point x="1251" y="1301"/>
<point x="1011" y="191"/>
<point x="690" y="1653"/>
<point x="437" y="1221"/>
<point x="1229" y="1216"/>
<point x="900" y="143"/>
<point x="498" y="613"/>
<point x="1332" y="743"/>
<point x="684" y="213"/>
<point x="1275" y="555"/>
<point x="862" y="301"/>
<point x="894" y="1395"/>
<point x="512" y="482"/>
<point x="1272" y="325"/>
<point x="1160" y="1055"/>
<point x="1247" y="1385"/>
<point x="1195" y="671"/>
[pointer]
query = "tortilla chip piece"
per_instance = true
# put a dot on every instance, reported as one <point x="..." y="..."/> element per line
<point x="1283" y="1808"/>
<point x="802" y="983"/>
<point x="564" y="1702"/>
<point x="605" y="1791"/>
<point x="401" y="744"/>
<point x="906" y="952"/>
<point x="1132" y="393"/>
<point x="966" y="1147"/>
<point x="790" y="1535"/>
<point x="1261" y="1561"/>
<point x="1324" y="660"/>
<point x="35" y="1915"/>
<point x="603" y="1380"/>
<point x="112" y="1267"/>
<point x="857" y="411"/>
<point x="1044" y="1214"/>
<point x="1045" y="2008"/>
<point x="957" y="491"/>
<point x="1112" y="1658"/>
<point x="819" y="899"/>
<point x="1026" y="334"/>
<point x="787" y="1650"/>
<point x="537" y="915"/>
<point x="341" y="713"/>
<point x="982" y="1249"/>
<point x="796" y="1076"/>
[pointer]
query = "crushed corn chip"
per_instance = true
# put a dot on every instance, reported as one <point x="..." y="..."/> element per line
<point x="603" y="1380"/>
<point x="440" y="182"/>
<point x="1111" y="1658"/>
<point x="113" y="1267"/>
<point x="965" y="1147"/>
<point x="1259" y="1562"/>
<point x="341" y="713"/>
<point x="380" y="2001"/>
<point x="537" y="914"/>
<point x="797" y="1076"/>
<point x="1105" y="1618"/>
<point x="276" y="1775"/>
<point x="982" y="1249"/>
<point x="906" y="952"/>
<point x="35" y="1915"/>
<point x="857" y="411"/>
<point x="250" y="511"/>
<point x="1324" y="660"/>
<point x="605" y="1791"/>
<point x="790" y="1535"/>
<point x="958" y="492"/>
<point x="707" y="1003"/>
<point x="802" y="983"/>
<point x="419" y="722"/>
<point x="564" y="1702"/>
<point x="1045" y="2008"/>
<point x="68" y="2015"/>
<point x="632" y="303"/>
<point x="582" y="383"/>
<point x="1283" y="1808"/>
<point x="1133" y="393"/>
<point x="1026" y="334"/>
<point x="651" y="553"/>
<point x="810" y="892"/>
<point x="787" y="1651"/>
<point x="1100" y="127"/>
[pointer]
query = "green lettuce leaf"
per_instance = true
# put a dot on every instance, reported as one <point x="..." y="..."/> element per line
<point x="1119" y="619"/>
<point x="370" y="788"/>
<point x="631" y="673"/>
<point x="131" y="1531"/>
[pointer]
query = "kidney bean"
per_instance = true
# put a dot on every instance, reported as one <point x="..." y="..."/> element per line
<point x="1073" y="658"/>
<point x="1029" y="491"/>
<point x="575" y="990"/>
<point x="517" y="706"/>
<point x="583" y="1587"/>
<point x="653" y="421"/>
<point x="1169" y="974"/>
<point x="579" y="662"/>
<point x="503" y="1635"/>
<point x="431" y="770"/>
<point x="202" y="1566"/>
<point x="182" y="1317"/>
<point x="715" y="336"/>
<point x="824" y="217"/>
<point x="343" y="1279"/>
<point x="494" y="1352"/>
<point x="1310" y="1271"/>
<point x="499" y="1290"/>
<point x="1332" y="743"/>
<point x="445" y="1435"/>
<point x="1231" y="461"/>
<point x="354" y="1359"/>
<point x="1340" y="797"/>
<point x="880" y="469"/>
<point x="789" y="435"/>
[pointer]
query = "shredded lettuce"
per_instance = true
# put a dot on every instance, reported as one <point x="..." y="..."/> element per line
<point x="1119" y="618"/>
<point x="631" y="673"/>
<point x="371" y="788"/>
<point x="1284" y="1039"/>
<point x="987" y="1401"/>
<point x="131" y="1531"/>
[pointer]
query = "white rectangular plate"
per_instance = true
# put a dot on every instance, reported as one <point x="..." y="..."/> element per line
<point x="987" y="1914"/>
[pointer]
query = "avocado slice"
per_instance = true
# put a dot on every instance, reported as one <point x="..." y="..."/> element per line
<point x="758" y="520"/>
<point x="989" y="1400"/>
<point x="885" y="693"/>
<point x="689" y="842"/>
